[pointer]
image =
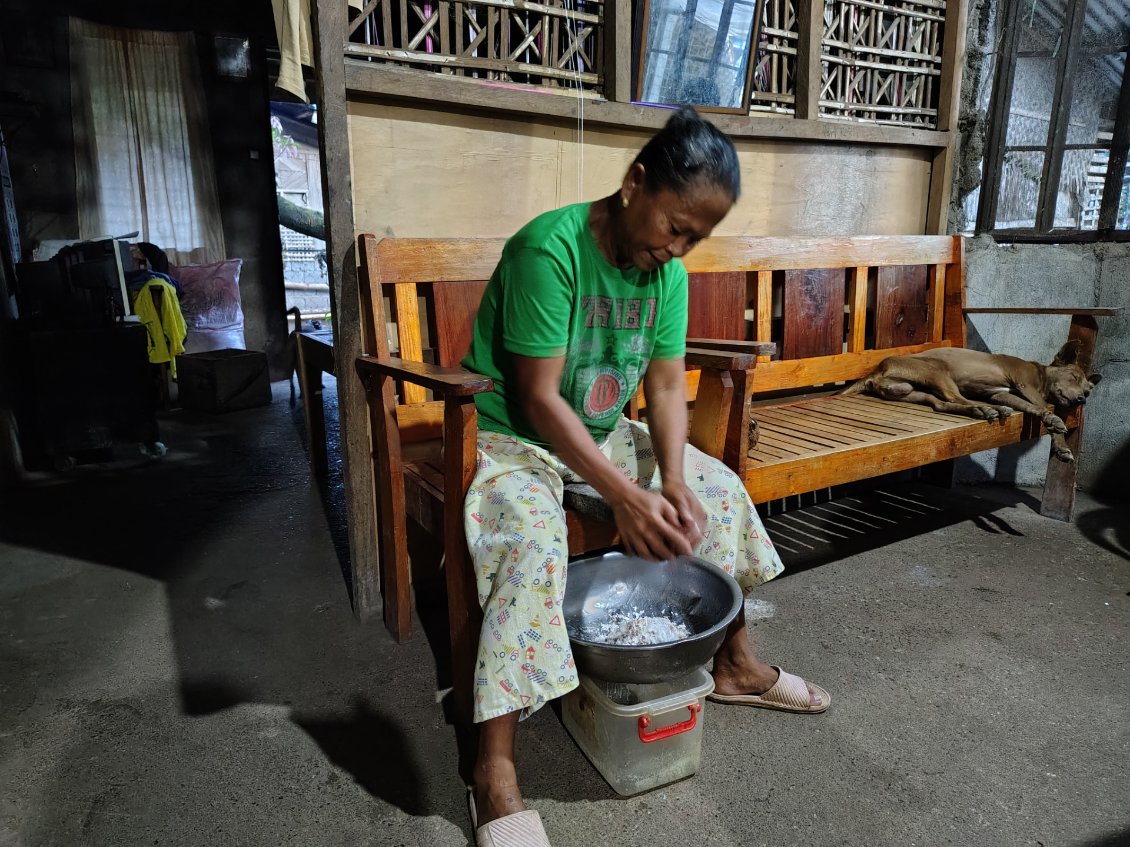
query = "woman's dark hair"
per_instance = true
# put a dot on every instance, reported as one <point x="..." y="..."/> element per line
<point x="689" y="149"/>
<point x="155" y="256"/>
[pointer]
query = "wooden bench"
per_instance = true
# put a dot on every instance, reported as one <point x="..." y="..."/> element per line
<point x="423" y="419"/>
<point x="836" y="308"/>
<point x="833" y="307"/>
<point x="315" y="356"/>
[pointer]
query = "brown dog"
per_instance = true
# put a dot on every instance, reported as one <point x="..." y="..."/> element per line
<point x="985" y="385"/>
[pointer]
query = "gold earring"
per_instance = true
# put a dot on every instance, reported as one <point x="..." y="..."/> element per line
<point x="623" y="201"/>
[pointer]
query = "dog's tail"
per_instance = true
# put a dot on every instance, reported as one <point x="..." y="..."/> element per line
<point x="857" y="387"/>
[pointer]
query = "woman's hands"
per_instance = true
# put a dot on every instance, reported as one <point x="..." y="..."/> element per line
<point x="660" y="526"/>
<point x="653" y="525"/>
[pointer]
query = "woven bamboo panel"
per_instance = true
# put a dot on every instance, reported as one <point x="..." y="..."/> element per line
<point x="882" y="60"/>
<point x="555" y="43"/>
<point x="774" y="76"/>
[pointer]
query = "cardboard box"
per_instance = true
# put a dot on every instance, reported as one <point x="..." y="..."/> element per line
<point x="223" y="380"/>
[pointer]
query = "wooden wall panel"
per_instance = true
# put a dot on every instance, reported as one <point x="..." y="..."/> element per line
<point x="814" y="313"/>
<point x="424" y="172"/>
<point x="902" y="300"/>
<point x="726" y="316"/>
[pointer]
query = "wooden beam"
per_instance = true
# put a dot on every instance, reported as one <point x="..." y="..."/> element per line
<point x="949" y="109"/>
<point x="1101" y="311"/>
<point x="618" y="51"/>
<point x="953" y="64"/>
<point x="809" y="70"/>
<point x="432" y="92"/>
<point x="357" y="469"/>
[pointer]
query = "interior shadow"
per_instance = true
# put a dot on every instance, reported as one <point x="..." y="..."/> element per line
<point x="867" y="516"/>
<point x="373" y="749"/>
<point x="331" y="487"/>
<point x="430" y="594"/>
<point x="1114" y="839"/>
<point x="1111" y="483"/>
<point x="1108" y="527"/>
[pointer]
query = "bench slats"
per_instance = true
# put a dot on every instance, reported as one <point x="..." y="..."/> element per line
<point x="874" y="435"/>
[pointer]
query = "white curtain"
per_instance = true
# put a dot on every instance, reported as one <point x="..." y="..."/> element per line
<point x="143" y="152"/>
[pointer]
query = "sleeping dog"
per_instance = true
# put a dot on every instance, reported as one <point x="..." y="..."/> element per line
<point x="986" y="385"/>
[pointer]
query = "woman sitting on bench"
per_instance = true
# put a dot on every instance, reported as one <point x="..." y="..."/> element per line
<point x="586" y="302"/>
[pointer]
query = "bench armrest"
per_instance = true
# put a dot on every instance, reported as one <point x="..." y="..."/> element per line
<point x="1053" y="310"/>
<point x="754" y="348"/>
<point x="449" y="382"/>
<point x="720" y="360"/>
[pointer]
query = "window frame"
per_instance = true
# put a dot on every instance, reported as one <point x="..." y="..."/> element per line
<point x="996" y="147"/>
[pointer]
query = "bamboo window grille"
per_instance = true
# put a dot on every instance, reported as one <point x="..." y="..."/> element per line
<point x="549" y="44"/>
<point x="882" y="60"/>
<point x="774" y="75"/>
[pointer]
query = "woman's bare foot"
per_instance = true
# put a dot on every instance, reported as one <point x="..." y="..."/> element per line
<point x="496" y="779"/>
<point x="733" y="680"/>
<point x="738" y="670"/>
<point x="496" y="791"/>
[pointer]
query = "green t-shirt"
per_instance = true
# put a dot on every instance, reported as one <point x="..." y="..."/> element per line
<point x="554" y="294"/>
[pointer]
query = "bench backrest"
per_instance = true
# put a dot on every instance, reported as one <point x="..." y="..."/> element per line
<point x="809" y="295"/>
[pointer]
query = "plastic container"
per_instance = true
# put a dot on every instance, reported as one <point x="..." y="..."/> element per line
<point x="639" y="736"/>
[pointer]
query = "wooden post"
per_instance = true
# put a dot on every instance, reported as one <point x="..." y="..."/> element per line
<point x="460" y="429"/>
<point x="953" y="322"/>
<point x="357" y="471"/>
<point x="949" y="108"/>
<point x="809" y="73"/>
<point x="618" y="51"/>
<point x="1059" y="483"/>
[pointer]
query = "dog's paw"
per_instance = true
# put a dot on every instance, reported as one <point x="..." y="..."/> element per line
<point x="1006" y="411"/>
<point x="989" y="413"/>
<point x="1055" y="424"/>
<point x="1063" y="454"/>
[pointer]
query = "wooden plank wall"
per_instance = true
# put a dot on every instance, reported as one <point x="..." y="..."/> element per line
<point x="423" y="172"/>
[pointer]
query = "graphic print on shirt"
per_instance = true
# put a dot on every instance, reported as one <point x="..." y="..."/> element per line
<point x="609" y="355"/>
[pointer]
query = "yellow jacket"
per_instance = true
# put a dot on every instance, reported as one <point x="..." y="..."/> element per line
<point x="167" y="330"/>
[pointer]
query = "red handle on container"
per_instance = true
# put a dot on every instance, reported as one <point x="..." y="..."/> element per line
<point x="668" y="731"/>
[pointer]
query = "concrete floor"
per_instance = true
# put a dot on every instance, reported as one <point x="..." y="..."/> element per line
<point x="179" y="666"/>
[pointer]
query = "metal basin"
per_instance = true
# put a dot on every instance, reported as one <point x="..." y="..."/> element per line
<point x="705" y="597"/>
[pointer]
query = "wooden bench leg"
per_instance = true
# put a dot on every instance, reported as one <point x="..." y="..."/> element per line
<point x="465" y="618"/>
<point x="1059" y="483"/>
<point x="392" y="516"/>
<point x="313" y="411"/>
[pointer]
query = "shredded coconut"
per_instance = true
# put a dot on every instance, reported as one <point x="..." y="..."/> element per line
<point x="634" y="629"/>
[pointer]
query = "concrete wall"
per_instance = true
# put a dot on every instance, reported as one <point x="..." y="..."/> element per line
<point x="42" y="148"/>
<point x="422" y="172"/>
<point x="1056" y="275"/>
<point x="1039" y="275"/>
